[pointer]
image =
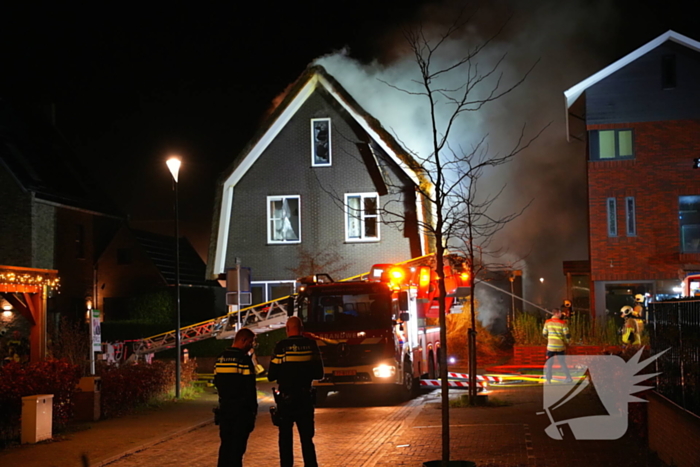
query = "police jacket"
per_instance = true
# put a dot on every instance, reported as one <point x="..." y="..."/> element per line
<point x="296" y="362"/>
<point x="234" y="378"/>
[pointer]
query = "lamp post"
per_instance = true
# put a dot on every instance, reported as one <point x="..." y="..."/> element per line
<point x="174" y="166"/>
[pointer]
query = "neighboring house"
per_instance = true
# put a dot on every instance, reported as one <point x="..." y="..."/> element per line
<point x="137" y="263"/>
<point x="310" y="189"/>
<point x="642" y="127"/>
<point x="54" y="223"/>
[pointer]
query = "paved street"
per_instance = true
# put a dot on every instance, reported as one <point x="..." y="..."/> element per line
<point x="349" y="431"/>
<point x="371" y="432"/>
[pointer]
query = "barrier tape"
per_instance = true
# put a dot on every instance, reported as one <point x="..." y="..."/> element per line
<point x="490" y="379"/>
<point x="453" y="384"/>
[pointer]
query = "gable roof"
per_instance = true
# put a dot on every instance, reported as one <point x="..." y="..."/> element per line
<point x="160" y="249"/>
<point x="43" y="163"/>
<point x="572" y="94"/>
<point x="314" y="77"/>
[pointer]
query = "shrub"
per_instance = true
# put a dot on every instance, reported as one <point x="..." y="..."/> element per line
<point x="127" y="387"/>
<point x="527" y="330"/>
<point x="57" y="377"/>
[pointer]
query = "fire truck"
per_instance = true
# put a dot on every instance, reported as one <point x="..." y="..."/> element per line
<point x="381" y="330"/>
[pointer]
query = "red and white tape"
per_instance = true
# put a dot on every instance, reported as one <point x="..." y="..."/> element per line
<point x="490" y="379"/>
<point x="454" y="384"/>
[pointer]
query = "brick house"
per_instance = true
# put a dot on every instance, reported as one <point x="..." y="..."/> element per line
<point x="309" y="191"/>
<point x="640" y="121"/>
<point x="54" y="224"/>
<point x="137" y="264"/>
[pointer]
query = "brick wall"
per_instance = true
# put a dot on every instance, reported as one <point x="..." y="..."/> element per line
<point x="660" y="172"/>
<point x="15" y="222"/>
<point x="674" y="433"/>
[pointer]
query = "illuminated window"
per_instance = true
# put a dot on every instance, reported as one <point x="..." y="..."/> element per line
<point x="611" y="144"/>
<point x="631" y="216"/>
<point x="612" y="217"/>
<point x="320" y="142"/>
<point x="689" y="220"/>
<point x="361" y="217"/>
<point x="284" y="222"/>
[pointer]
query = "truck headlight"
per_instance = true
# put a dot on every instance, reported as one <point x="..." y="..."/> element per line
<point x="384" y="371"/>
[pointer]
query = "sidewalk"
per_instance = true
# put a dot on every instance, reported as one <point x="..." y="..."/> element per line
<point x="106" y="440"/>
<point x="505" y="436"/>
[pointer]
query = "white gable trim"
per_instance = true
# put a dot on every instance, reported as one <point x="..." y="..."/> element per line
<point x="224" y="223"/>
<point x="267" y="138"/>
<point x="572" y="94"/>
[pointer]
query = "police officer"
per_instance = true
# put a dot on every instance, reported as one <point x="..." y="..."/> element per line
<point x="296" y="362"/>
<point x="234" y="378"/>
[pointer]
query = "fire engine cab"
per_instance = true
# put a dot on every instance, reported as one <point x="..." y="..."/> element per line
<point x="380" y="331"/>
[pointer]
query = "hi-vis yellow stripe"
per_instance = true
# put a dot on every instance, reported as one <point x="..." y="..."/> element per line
<point x="306" y="356"/>
<point x="234" y="368"/>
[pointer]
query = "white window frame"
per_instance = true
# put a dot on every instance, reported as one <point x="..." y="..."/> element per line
<point x="611" y="219"/>
<point x="361" y="217"/>
<point x="314" y="162"/>
<point x="631" y="216"/>
<point x="270" y="219"/>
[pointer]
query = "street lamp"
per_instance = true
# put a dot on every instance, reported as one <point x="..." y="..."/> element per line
<point x="174" y="166"/>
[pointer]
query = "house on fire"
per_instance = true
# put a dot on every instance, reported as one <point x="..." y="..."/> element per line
<point x="321" y="186"/>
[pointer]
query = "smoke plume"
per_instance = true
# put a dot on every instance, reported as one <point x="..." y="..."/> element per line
<point x="560" y="37"/>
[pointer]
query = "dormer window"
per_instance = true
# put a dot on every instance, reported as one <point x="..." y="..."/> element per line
<point x="611" y="144"/>
<point x="320" y="142"/>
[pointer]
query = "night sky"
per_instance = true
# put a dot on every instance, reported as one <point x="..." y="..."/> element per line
<point x="133" y="83"/>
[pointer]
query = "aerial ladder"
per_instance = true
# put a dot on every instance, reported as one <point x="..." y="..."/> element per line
<point x="260" y="318"/>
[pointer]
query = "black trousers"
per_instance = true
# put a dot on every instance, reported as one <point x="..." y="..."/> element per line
<point x="234" y="440"/>
<point x="303" y="416"/>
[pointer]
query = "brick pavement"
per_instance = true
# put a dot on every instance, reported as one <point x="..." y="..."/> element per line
<point x="347" y="435"/>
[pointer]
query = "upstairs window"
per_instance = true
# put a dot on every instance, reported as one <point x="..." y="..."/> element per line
<point x="631" y="216"/>
<point x="361" y="217"/>
<point x="611" y="144"/>
<point x="284" y="221"/>
<point x="612" y="217"/>
<point x="668" y="72"/>
<point x="320" y="142"/>
<point x="689" y="220"/>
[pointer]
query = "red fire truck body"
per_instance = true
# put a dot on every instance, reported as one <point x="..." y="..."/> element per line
<point x="381" y="331"/>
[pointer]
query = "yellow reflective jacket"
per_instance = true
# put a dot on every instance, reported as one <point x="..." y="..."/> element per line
<point x="557" y="333"/>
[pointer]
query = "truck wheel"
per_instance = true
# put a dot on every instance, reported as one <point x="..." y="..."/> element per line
<point x="409" y="387"/>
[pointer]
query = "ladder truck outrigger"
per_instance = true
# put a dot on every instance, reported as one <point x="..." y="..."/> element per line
<point x="381" y="330"/>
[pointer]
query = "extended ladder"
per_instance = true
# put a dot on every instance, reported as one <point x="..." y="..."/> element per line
<point x="260" y="318"/>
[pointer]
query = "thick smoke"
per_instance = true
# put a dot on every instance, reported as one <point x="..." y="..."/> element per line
<point x="551" y="174"/>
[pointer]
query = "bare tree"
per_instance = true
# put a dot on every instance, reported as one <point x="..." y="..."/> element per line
<point x="461" y="219"/>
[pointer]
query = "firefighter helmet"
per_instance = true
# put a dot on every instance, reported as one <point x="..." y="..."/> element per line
<point x="639" y="298"/>
<point x="626" y="310"/>
<point x="567" y="304"/>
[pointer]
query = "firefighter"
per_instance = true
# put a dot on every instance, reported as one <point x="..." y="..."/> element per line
<point x="556" y="331"/>
<point x="632" y="330"/>
<point x="234" y="378"/>
<point x="296" y="362"/>
<point x="567" y="310"/>
<point x="639" y="306"/>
